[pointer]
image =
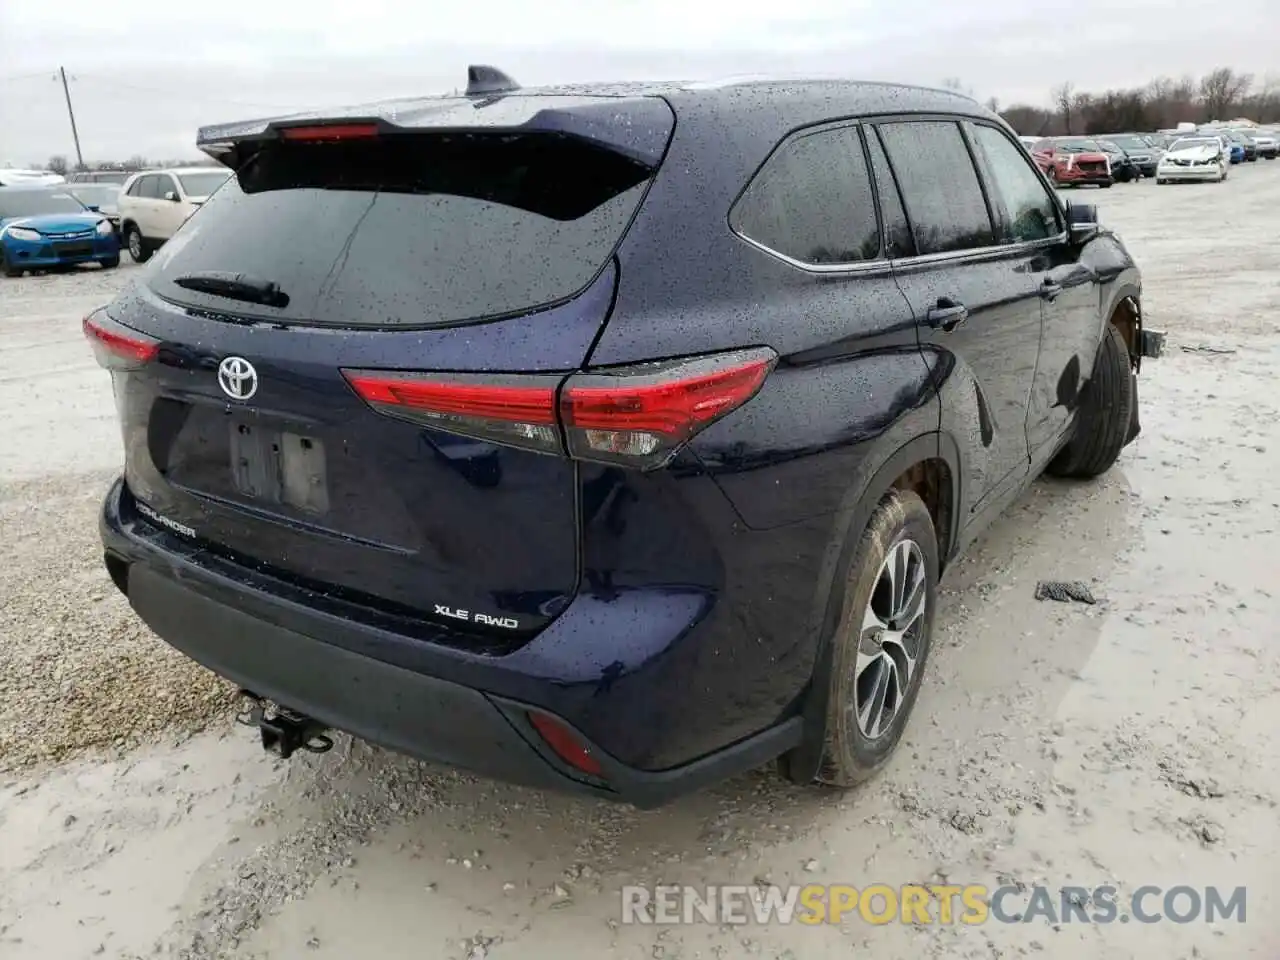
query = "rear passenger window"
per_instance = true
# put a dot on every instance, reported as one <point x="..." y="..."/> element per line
<point x="897" y="230"/>
<point x="939" y="186"/>
<point x="150" y="188"/>
<point x="135" y="188"/>
<point x="1028" y="210"/>
<point x="812" y="201"/>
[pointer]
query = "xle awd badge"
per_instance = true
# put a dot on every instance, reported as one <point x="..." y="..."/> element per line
<point x="484" y="618"/>
<point x="238" y="379"/>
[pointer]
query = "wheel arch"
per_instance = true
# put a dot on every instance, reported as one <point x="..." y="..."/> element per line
<point x="929" y="465"/>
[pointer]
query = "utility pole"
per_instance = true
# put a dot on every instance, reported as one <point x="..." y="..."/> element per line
<point x="66" y="91"/>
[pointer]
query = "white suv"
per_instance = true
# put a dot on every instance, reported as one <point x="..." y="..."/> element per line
<point x="155" y="203"/>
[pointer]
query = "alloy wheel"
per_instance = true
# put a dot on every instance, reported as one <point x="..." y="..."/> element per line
<point x="891" y="638"/>
<point x="135" y="244"/>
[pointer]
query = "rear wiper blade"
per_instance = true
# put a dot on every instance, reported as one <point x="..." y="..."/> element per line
<point x="235" y="286"/>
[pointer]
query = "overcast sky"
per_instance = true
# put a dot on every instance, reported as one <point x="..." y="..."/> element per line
<point x="144" y="76"/>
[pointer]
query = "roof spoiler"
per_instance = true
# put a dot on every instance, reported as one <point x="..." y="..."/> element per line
<point x="637" y="127"/>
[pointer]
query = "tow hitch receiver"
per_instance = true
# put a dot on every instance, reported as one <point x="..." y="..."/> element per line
<point x="284" y="730"/>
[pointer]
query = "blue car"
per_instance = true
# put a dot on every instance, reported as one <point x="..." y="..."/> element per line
<point x="46" y="227"/>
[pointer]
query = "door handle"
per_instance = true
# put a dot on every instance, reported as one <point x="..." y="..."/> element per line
<point x="947" y="315"/>
<point x="1050" y="290"/>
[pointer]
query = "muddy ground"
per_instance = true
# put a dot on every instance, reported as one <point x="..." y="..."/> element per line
<point x="1129" y="743"/>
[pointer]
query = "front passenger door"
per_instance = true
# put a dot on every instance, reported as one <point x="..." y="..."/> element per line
<point x="1030" y="218"/>
<point x="976" y="305"/>
<point x="170" y="210"/>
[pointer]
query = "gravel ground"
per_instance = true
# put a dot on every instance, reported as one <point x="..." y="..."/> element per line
<point x="1130" y="742"/>
<point x="85" y="672"/>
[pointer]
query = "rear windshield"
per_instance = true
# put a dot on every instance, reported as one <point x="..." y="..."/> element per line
<point x="410" y="230"/>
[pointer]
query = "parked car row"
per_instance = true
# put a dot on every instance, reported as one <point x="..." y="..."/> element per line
<point x="1193" y="153"/>
<point x="53" y="225"/>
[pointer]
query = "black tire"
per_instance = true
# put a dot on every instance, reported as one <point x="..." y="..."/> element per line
<point x="849" y="755"/>
<point x="1161" y="181"/>
<point x="1104" y="186"/>
<point x="110" y="263"/>
<point x="139" y="251"/>
<point x="1103" y="415"/>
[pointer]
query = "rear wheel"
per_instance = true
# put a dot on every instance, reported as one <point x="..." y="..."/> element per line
<point x="882" y="641"/>
<point x="138" y="248"/>
<point x="1103" y="415"/>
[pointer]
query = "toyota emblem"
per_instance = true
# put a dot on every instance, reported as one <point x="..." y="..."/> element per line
<point x="238" y="379"/>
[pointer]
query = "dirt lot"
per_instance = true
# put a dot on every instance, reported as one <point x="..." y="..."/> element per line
<point x="1130" y="743"/>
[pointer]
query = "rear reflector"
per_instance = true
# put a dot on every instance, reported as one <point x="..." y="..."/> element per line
<point x="637" y="416"/>
<point x="565" y="743"/>
<point x="519" y="411"/>
<point x="115" y="346"/>
<point x="331" y="131"/>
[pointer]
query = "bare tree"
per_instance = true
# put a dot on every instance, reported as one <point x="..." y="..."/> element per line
<point x="958" y="85"/>
<point x="58" y="164"/>
<point x="993" y="104"/>
<point x="1063" y="96"/>
<point x="1222" y="90"/>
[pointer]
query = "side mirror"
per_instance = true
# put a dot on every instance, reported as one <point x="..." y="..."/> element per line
<point x="1082" y="222"/>
<point x="171" y="196"/>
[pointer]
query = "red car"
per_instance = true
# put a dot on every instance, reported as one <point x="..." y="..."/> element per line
<point x="1071" y="161"/>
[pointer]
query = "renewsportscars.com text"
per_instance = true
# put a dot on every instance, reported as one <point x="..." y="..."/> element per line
<point x="930" y="904"/>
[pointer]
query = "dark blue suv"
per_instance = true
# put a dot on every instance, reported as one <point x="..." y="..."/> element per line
<point x="603" y="437"/>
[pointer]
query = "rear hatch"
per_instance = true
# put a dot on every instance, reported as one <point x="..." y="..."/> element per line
<point x="269" y="421"/>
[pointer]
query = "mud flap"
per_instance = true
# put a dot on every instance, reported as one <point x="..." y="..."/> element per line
<point x="1135" y="427"/>
<point x="1150" y="344"/>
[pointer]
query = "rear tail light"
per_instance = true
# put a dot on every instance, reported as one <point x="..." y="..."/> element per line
<point x="639" y="416"/>
<point x="636" y="416"/>
<point x="565" y="743"/>
<point x="518" y="411"/>
<point x="117" y="347"/>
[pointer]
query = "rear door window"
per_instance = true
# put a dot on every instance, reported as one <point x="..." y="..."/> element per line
<point x="150" y="188"/>
<point x="812" y="201"/>
<point x="410" y="230"/>
<point x="940" y="186"/>
<point x="1027" y="210"/>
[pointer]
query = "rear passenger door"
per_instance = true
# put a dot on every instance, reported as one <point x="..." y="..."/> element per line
<point x="146" y="201"/>
<point x="976" y="305"/>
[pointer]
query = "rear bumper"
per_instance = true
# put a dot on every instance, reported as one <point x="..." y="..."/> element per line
<point x="430" y="702"/>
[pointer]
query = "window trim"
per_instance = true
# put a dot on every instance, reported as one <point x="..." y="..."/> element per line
<point x="877" y="264"/>
<point x="985" y="174"/>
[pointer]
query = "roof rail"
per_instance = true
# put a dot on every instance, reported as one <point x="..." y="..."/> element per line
<point x="483" y="81"/>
